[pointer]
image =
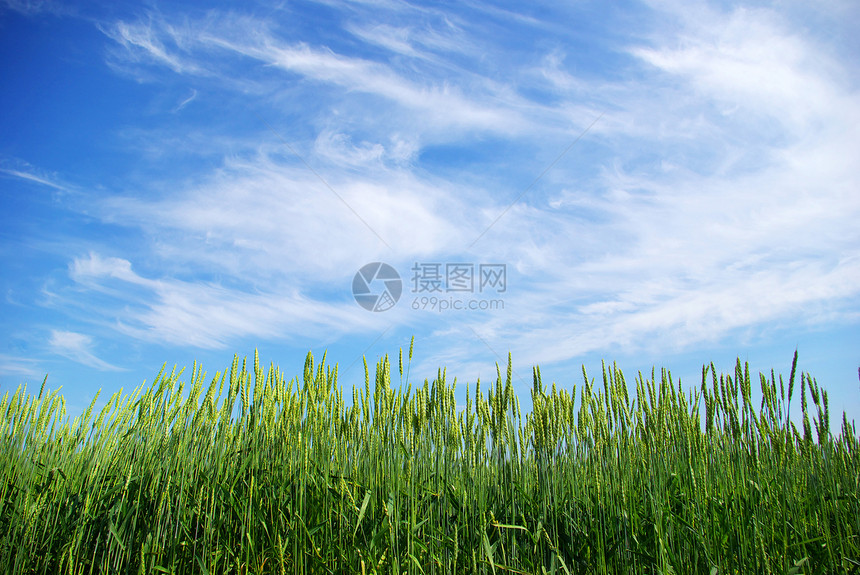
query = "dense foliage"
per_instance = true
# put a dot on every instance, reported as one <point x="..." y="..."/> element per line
<point x="269" y="475"/>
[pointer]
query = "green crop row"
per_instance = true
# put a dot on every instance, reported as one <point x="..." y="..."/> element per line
<point x="255" y="473"/>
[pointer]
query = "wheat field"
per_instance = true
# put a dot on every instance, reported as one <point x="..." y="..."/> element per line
<point x="252" y="472"/>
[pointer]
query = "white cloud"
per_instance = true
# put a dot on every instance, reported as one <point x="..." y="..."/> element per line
<point x="264" y="220"/>
<point x="723" y="197"/>
<point x="423" y="42"/>
<point x="436" y="100"/>
<point x="339" y="149"/>
<point x="36" y="7"/>
<point x="186" y="101"/>
<point x="440" y="103"/>
<point x="19" y="366"/>
<point x="95" y="266"/>
<point x="156" y="41"/>
<point x="206" y="315"/>
<point x="704" y="224"/>
<point x="77" y="347"/>
<point x="25" y="174"/>
<point x="748" y="59"/>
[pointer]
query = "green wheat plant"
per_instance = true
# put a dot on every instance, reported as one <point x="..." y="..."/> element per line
<point x="252" y="472"/>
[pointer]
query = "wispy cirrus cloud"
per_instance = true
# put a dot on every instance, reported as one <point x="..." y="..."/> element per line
<point x="268" y="217"/>
<point x="411" y="41"/>
<point x="19" y="366"/>
<point x="156" y="41"/>
<point x="29" y="174"/>
<point x="203" y="314"/>
<point x="78" y="348"/>
<point x="186" y="101"/>
<point x="754" y="62"/>
<point x="741" y="218"/>
<point x="434" y="98"/>
<point x="442" y="105"/>
<point x="35" y="7"/>
<point x="714" y="195"/>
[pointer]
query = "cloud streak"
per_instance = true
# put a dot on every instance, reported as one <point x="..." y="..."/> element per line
<point x="205" y="315"/>
<point x="31" y="177"/>
<point x="77" y="347"/>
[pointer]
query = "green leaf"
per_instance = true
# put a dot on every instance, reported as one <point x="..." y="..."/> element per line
<point x="361" y="512"/>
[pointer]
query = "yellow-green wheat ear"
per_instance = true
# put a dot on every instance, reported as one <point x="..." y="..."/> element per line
<point x="42" y="389"/>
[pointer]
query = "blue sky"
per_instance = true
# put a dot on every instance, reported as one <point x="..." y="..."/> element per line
<point x="664" y="183"/>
